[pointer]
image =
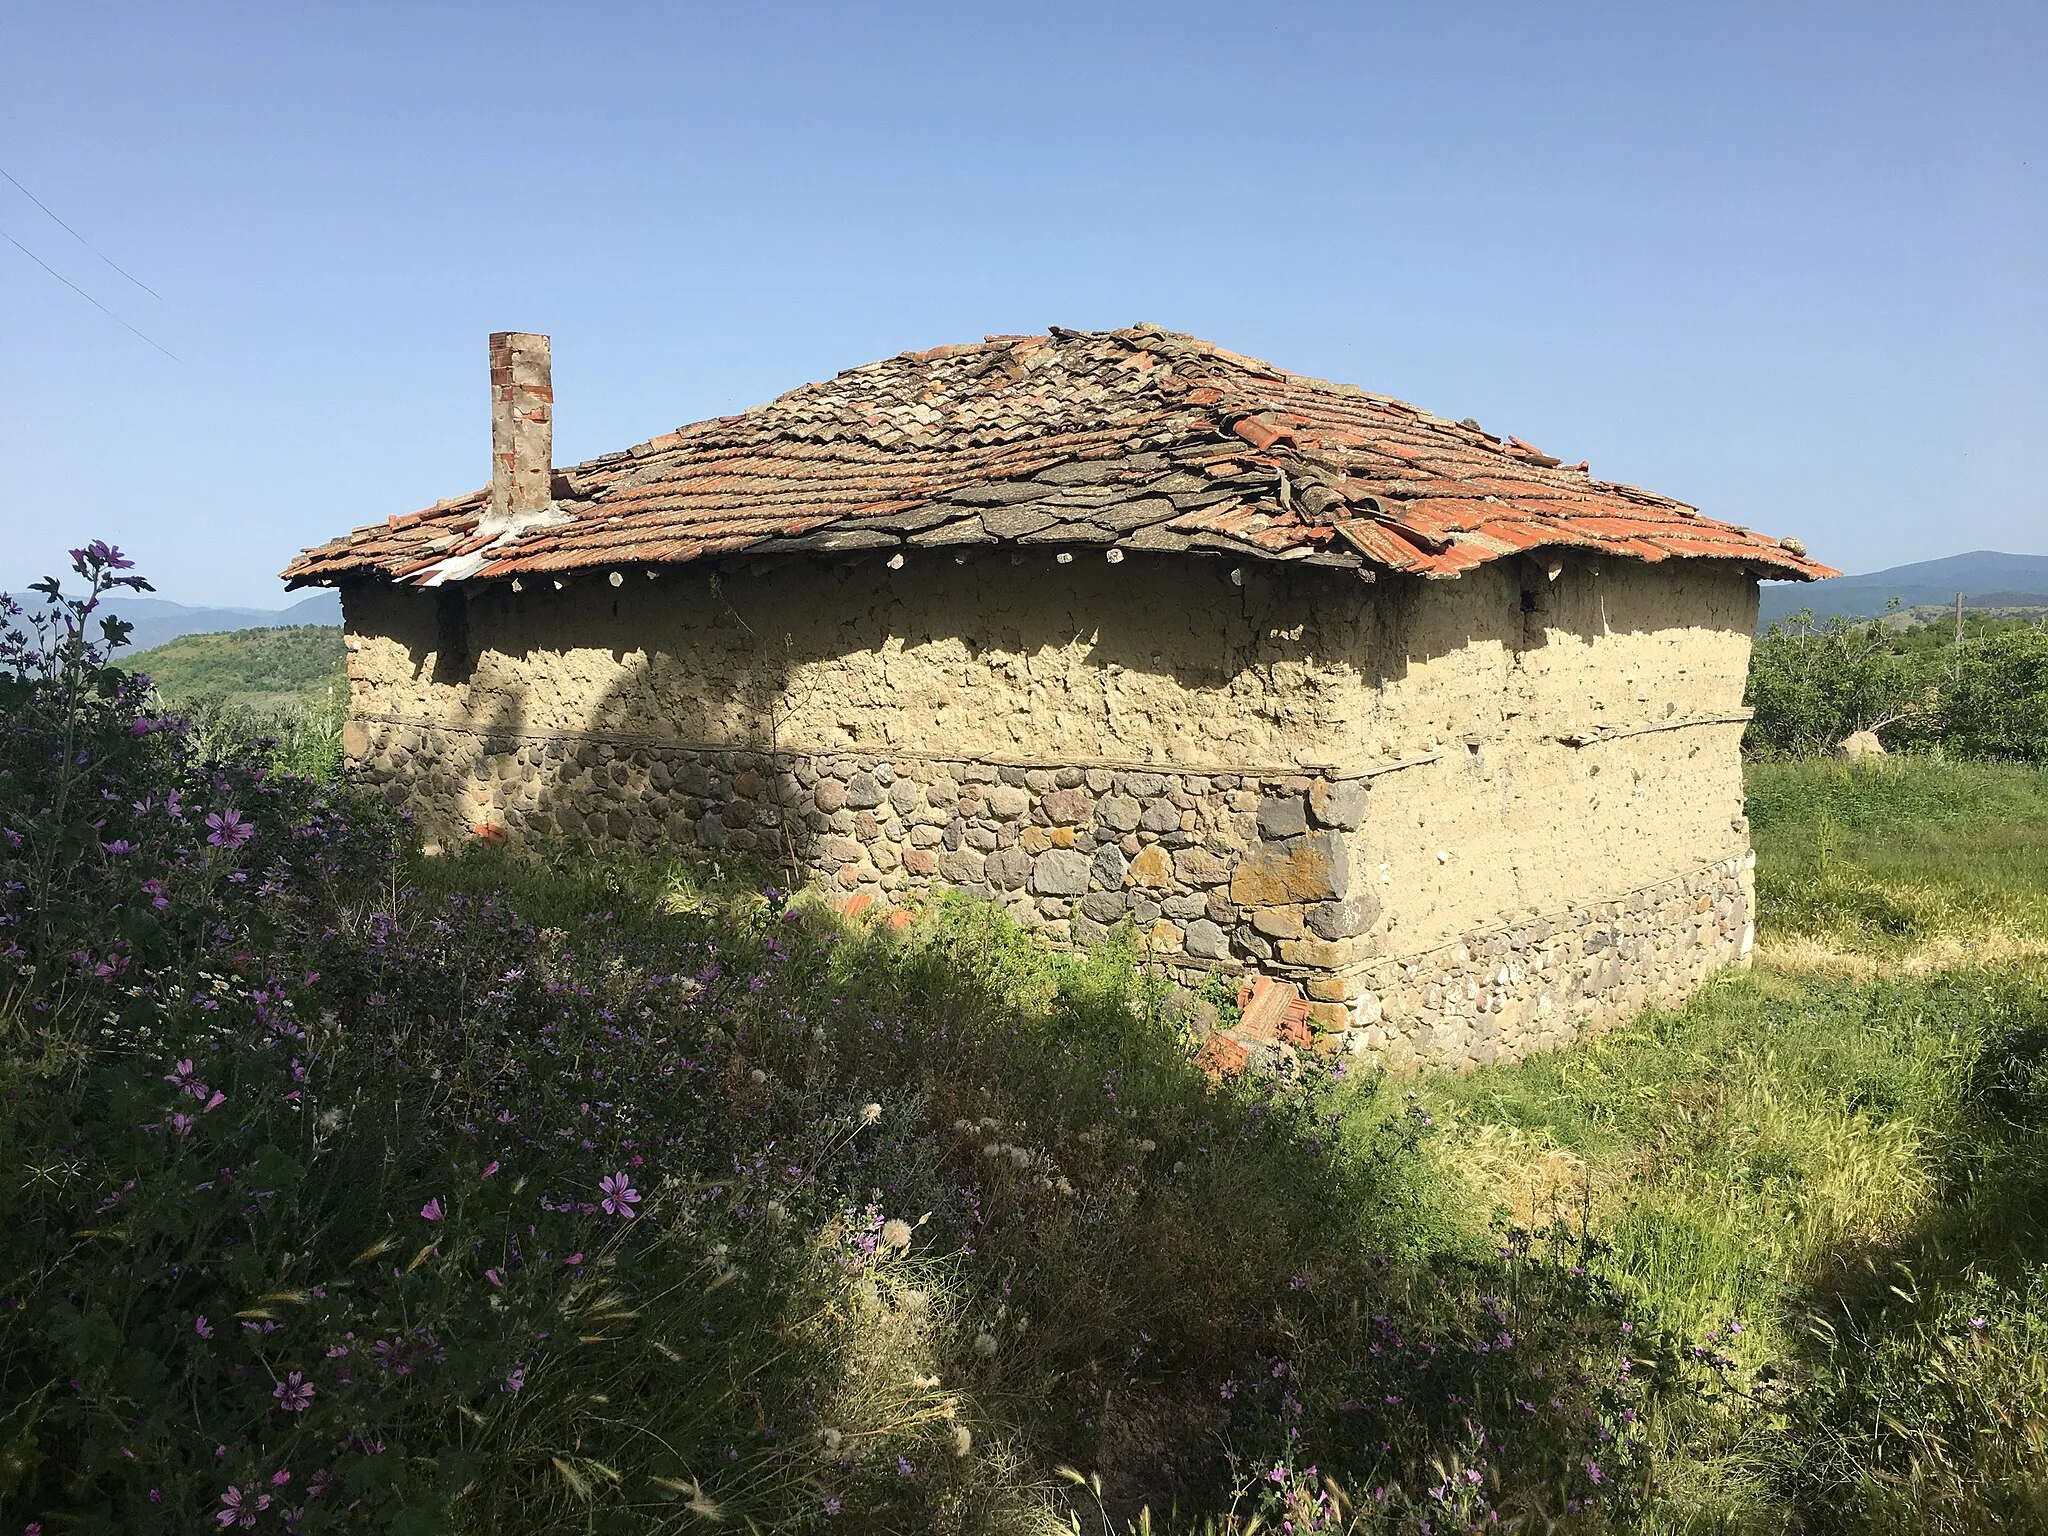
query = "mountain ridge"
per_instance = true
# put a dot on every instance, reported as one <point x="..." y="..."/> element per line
<point x="1987" y="578"/>
<point x="157" y="619"/>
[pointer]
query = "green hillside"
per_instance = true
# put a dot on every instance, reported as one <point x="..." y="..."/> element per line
<point x="254" y="668"/>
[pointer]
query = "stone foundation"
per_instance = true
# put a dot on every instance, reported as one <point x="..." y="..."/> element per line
<point x="1538" y="983"/>
<point x="1263" y="870"/>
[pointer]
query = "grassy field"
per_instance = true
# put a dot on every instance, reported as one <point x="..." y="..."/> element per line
<point x="263" y="669"/>
<point x="1843" y="1152"/>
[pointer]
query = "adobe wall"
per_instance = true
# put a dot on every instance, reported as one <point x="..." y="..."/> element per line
<point x="1471" y="818"/>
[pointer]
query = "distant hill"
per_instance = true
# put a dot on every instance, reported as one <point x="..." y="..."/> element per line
<point x="259" y="668"/>
<point x="156" y="620"/>
<point x="1985" y="577"/>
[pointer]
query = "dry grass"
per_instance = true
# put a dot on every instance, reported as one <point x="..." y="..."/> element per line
<point x="1818" y="955"/>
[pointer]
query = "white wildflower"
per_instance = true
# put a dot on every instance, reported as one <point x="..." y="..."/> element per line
<point x="870" y="1113"/>
<point x="994" y="1149"/>
<point x="1020" y="1157"/>
<point x="963" y="1127"/>
<point x="985" y="1345"/>
<point x="1148" y="1146"/>
<point x="895" y="1233"/>
<point x="829" y="1441"/>
<point x="757" y="1077"/>
<point x="963" y="1439"/>
<point x="1063" y="1186"/>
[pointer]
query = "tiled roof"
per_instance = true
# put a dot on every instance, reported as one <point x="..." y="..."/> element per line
<point x="1138" y="438"/>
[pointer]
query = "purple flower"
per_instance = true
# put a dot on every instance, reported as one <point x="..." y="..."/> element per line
<point x="239" y="1508"/>
<point x="516" y="1382"/>
<point x="229" y="830"/>
<point x="497" y="1281"/>
<point x="432" y="1211"/>
<point x="619" y="1195"/>
<point x="832" y="1505"/>
<point x="118" y="846"/>
<point x="215" y="1102"/>
<point x="103" y="553"/>
<point x="202" y="1327"/>
<point x="488" y="1172"/>
<point x="182" y="1124"/>
<point x="1593" y="1473"/>
<point x="1976" y="1325"/>
<point x="294" y="1394"/>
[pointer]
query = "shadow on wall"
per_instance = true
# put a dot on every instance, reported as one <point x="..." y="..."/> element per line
<point x="723" y="698"/>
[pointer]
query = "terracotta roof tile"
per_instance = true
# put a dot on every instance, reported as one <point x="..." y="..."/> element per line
<point x="1140" y="438"/>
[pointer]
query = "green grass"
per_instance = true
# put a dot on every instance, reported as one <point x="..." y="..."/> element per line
<point x="1884" y="859"/>
<point x="260" y="669"/>
<point x="1845" y="1149"/>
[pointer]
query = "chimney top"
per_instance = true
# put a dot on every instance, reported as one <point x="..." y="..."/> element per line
<point x="522" y="429"/>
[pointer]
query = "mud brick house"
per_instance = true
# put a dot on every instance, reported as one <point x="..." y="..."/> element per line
<point x="1110" y="628"/>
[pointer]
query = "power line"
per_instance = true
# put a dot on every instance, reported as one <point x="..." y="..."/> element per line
<point x="74" y="234"/>
<point x="95" y="303"/>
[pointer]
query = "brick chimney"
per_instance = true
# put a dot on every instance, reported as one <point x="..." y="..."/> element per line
<point x="522" y="427"/>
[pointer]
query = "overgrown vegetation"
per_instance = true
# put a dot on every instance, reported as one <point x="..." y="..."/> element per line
<point x="351" y="1189"/>
<point x="282" y="688"/>
<point x="1812" y="685"/>
<point x="1845" y="1150"/>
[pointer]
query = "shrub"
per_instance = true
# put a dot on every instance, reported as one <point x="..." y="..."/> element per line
<point x="1811" y="685"/>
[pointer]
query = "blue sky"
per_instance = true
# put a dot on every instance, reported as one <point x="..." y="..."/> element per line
<point x="1787" y="262"/>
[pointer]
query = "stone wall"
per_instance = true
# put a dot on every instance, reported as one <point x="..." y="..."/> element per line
<point x="1545" y="980"/>
<point x="1211" y="868"/>
<point x="1468" y="819"/>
